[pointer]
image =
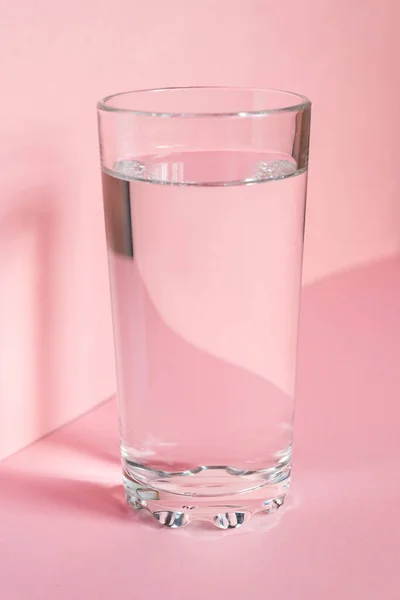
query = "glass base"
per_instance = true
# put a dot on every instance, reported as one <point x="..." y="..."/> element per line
<point x="223" y="496"/>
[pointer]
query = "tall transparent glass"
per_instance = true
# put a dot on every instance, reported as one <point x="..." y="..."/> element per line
<point x="204" y="197"/>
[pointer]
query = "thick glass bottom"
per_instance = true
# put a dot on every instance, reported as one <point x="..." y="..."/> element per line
<point x="223" y="496"/>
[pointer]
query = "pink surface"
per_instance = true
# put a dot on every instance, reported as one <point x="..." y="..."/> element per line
<point x="66" y="533"/>
<point x="57" y="59"/>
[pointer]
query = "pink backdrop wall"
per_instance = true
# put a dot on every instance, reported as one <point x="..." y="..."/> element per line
<point x="57" y="59"/>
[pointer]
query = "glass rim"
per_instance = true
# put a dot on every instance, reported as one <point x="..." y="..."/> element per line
<point x="300" y="103"/>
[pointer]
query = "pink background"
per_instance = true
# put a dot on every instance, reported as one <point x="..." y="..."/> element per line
<point x="57" y="59"/>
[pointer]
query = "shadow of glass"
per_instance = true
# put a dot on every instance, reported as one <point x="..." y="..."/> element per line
<point x="48" y="494"/>
<point x="96" y="437"/>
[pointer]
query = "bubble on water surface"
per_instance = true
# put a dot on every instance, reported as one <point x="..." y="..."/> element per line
<point x="276" y="169"/>
<point x="130" y="168"/>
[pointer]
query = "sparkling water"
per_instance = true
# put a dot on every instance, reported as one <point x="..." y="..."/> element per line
<point x="205" y="264"/>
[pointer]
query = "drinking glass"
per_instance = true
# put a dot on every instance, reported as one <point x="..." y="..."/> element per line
<point x="204" y="199"/>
